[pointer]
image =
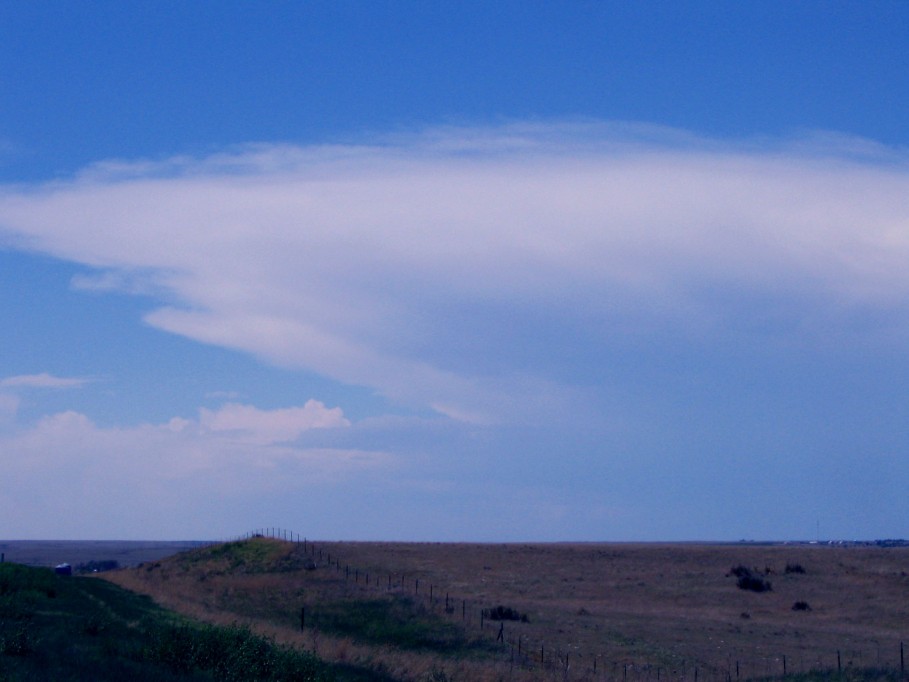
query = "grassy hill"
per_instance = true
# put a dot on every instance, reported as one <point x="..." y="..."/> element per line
<point x="298" y="598"/>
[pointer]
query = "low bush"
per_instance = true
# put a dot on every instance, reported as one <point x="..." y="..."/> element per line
<point x="750" y="580"/>
<point x="754" y="583"/>
<point x="739" y="571"/>
<point x="794" y="568"/>
<point x="801" y="606"/>
<point x="505" y="613"/>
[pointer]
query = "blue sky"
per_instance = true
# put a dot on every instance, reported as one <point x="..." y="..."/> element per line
<point x="489" y="271"/>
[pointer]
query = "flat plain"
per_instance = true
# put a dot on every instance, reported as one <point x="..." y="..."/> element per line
<point x="75" y="552"/>
<point x="583" y="611"/>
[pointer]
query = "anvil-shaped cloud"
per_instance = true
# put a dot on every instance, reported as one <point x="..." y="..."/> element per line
<point x="477" y="271"/>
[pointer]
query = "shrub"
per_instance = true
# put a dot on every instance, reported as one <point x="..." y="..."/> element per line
<point x="739" y="571"/>
<point x="750" y="580"/>
<point x="794" y="568"/>
<point x="754" y="583"/>
<point x="801" y="606"/>
<point x="504" y="613"/>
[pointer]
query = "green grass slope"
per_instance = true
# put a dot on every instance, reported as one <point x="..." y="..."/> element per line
<point x="64" y="628"/>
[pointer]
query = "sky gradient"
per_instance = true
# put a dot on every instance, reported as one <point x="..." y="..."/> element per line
<point x="454" y="271"/>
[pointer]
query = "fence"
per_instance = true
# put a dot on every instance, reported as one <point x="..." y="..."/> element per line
<point x="570" y="662"/>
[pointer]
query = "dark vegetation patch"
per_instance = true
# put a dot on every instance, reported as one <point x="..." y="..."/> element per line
<point x="754" y="583"/>
<point x="395" y="621"/>
<point x="751" y="580"/>
<point x="794" y="568"/>
<point x="505" y="613"/>
<point x="801" y="606"/>
<point x="229" y="653"/>
<point x="739" y="571"/>
<point x="70" y="629"/>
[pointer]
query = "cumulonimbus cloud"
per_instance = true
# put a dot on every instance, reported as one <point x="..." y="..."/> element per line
<point x="419" y="265"/>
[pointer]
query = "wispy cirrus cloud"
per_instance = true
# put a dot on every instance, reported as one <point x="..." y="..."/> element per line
<point x="43" y="380"/>
<point x="464" y="269"/>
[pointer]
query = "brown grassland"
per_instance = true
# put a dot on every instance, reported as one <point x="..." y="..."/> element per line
<point x="593" y="611"/>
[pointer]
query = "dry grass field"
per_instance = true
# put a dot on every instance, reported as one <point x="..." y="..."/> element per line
<point x="593" y="611"/>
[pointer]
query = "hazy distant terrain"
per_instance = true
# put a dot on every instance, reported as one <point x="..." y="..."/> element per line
<point x="75" y="552"/>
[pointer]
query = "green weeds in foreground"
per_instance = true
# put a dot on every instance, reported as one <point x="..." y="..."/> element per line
<point x="65" y="628"/>
<point x="230" y="653"/>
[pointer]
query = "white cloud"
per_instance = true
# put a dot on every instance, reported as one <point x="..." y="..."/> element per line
<point x="67" y="462"/>
<point x="251" y="424"/>
<point x="9" y="406"/>
<point x="424" y="266"/>
<point x="65" y="476"/>
<point x="43" y="380"/>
